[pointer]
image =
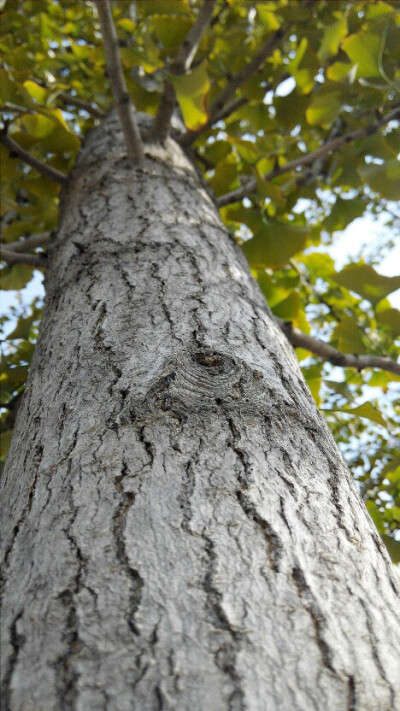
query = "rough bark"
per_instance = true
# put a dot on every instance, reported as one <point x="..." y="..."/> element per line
<point x="180" y="529"/>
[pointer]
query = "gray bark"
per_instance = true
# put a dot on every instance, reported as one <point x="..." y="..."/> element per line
<point x="180" y="531"/>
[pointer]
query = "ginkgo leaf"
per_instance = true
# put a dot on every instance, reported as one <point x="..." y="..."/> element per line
<point x="364" y="49"/>
<point x="332" y="37"/>
<point x="383" y="178"/>
<point x="275" y="244"/>
<point x="364" y="280"/>
<point x="347" y="336"/>
<point x="366" y="410"/>
<point x="191" y="91"/>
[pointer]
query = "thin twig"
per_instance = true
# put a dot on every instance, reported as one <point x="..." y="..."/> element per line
<point x="298" y="339"/>
<point x="326" y="148"/>
<point x="67" y="99"/>
<point x="46" y="170"/>
<point x="181" y="65"/>
<point x="38" y="240"/>
<point x="237" y="81"/>
<point x="118" y="85"/>
<point x="35" y="260"/>
<point x="8" y="107"/>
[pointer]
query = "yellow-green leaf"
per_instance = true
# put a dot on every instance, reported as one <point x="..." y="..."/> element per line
<point x="191" y="91"/>
<point x="324" y="108"/>
<point x="364" y="49"/>
<point x="333" y="35"/>
<point x="37" y="92"/>
<point x="170" y="30"/>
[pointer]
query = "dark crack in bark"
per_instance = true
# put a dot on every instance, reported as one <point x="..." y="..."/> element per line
<point x="226" y="654"/>
<point x="311" y="606"/>
<point x="136" y="581"/>
<point x="184" y="498"/>
<point x="17" y="641"/>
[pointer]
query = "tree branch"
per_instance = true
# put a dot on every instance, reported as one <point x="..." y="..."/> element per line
<point x="326" y="148"/>
<point x="236" y="82"/>
<point x="181" y="65"/>
<point x="66" y="99"/>
<point x="46" y="170"/>
<point x="298" y="339"/>
<point x="118" y="85"/>
<point x="35" y="260"/>
<point x="38" y="240"/>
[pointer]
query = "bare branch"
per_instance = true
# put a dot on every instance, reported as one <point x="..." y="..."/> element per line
<point x="67" y="99"/>
<point x="38" y="240"/>
<point x="236" y="82"/>
<point x="43" y="168"/>
<point x="298" y="339"/>
<point x="8" y="107"/>
<point x="326" y="148"/>
<point x="35" y="260"/>
<point x="181" y="64"/>
<point x="118" y="85"/>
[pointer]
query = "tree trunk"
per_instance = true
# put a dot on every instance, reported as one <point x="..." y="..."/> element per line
<point x="181" y="532"/>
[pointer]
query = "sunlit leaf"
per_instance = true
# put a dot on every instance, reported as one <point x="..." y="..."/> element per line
<point x="191" y="91"/>
<point x="363" y="49"/>
<point x="333" y="34"/>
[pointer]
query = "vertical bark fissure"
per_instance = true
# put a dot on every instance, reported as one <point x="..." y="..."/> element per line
<point x="375" y="653"/>
<point x="274" y="544"/>
<point x="17" y="642"/>
<point x="136" y="581"/>
<point x="226" y="655"/>
<point x="311" y="605"/>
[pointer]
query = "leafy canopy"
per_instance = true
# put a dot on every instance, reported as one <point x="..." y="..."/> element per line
<point x="332" y="69"/>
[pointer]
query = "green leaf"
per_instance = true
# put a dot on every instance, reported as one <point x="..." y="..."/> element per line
<point x="15" y="277"/>
<point x="366" y="410"/>
<point x="332" y="37"/>
<point x="37" y="92"/>
<point x="225" y="177"/>
<point x="393" y="547"/>
<point x="324" y="108"/>
<point x="364" y="280"/>
<point x="171" y="30"/>
<point x="275" y="244"/>
<point x="24" y="326"/>
<point x="347" y="336"/>
<point x="304" y="66"/>
<point x="342" y="213"/>
<point x="312" y="375"/>
<point x="391" y="319"/>
<point x="364" y="49"/>
<point x="384" y="178"/>
<point x="338" y="71"/>
<point x="267" y="17"/>
<point x="5" y="441"/>
<point x="288" y="308"/>
<point x="191" y="92"/>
